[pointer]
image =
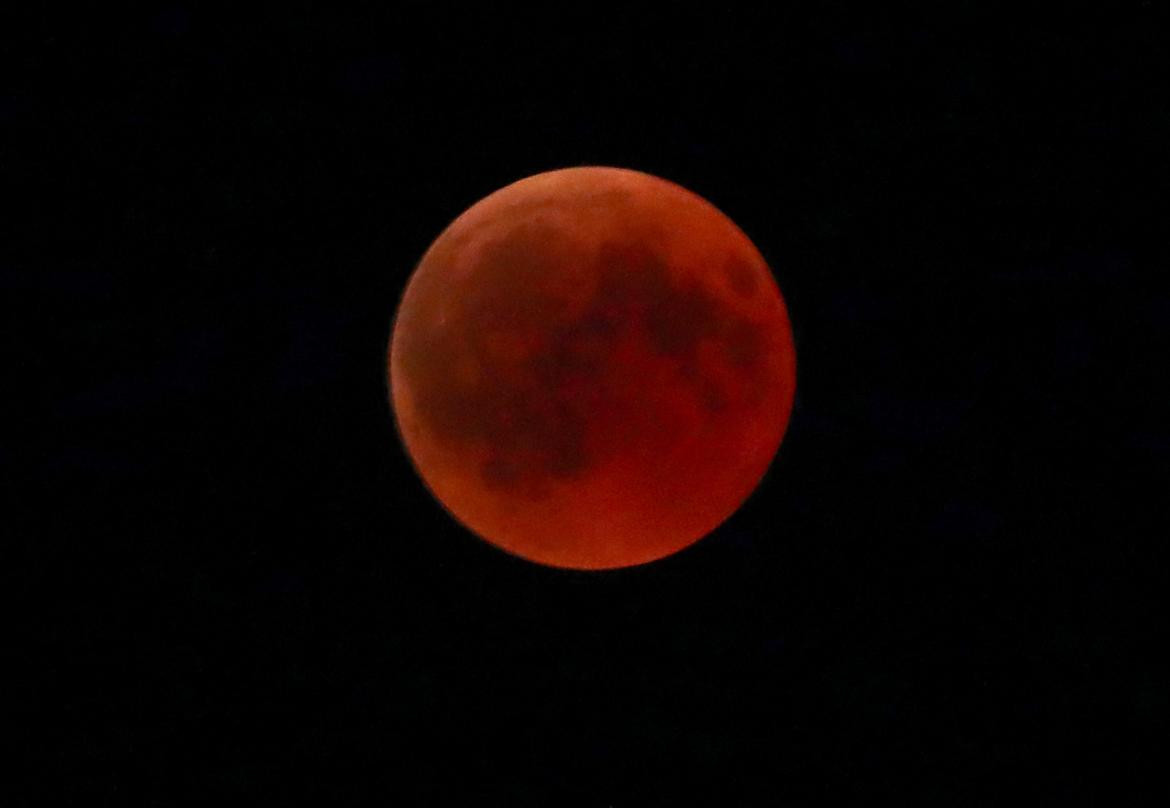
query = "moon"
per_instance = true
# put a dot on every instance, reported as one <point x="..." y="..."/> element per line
<point x="592" y="368"/>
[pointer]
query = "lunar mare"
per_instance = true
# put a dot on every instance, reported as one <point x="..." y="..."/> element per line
<point x="592" y="368"/>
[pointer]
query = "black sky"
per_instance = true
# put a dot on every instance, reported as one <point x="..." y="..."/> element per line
<point x="233" y="582"/>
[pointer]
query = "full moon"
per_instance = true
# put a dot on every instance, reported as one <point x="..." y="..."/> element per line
<point x="592" y="368"/>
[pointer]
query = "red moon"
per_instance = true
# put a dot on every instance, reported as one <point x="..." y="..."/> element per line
<point x="592" y="368"/>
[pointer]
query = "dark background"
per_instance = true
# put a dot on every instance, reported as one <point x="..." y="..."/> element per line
<point x="232" y="582"/>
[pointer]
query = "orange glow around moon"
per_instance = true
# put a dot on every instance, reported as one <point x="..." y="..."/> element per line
<point x="592" y="368"/>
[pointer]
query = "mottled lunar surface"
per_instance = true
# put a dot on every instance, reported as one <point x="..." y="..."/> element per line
<point x="592" y="368"/>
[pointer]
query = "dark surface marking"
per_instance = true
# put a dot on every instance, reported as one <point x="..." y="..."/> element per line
<point x="742" y="341"/>
<point x="741" y="275"/>
<point x="528" y="409"/>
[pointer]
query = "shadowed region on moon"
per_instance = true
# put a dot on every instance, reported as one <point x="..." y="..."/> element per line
<point x="536" y="380"/>
<point x="599" y="334"/>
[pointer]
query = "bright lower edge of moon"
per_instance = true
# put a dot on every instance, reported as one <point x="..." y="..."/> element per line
<point x="592" y="368"/>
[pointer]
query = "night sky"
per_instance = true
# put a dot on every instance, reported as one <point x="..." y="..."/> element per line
<point x="233" y="583"/>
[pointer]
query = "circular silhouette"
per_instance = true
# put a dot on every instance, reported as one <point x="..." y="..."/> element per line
<point x="592" y="368"/>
